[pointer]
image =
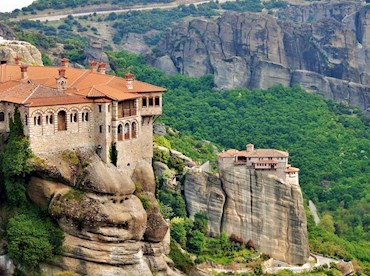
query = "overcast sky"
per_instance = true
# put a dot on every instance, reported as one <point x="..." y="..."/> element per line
<point x="9" y="5"/>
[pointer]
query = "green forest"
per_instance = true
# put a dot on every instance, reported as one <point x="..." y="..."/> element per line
<point x="328" y="141"/>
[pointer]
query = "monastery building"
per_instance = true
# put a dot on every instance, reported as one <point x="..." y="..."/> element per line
<point x="65" y="108"/>
<point x="267" y="161"/>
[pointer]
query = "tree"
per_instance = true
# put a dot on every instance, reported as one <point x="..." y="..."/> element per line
<point x="178" y="232"/>
<point x="201" y="222"/>
<point x="15" y="163"/>
<point x="28" y="241"/>
<point x="196" y="242"/>
<point x="327" y="223"/>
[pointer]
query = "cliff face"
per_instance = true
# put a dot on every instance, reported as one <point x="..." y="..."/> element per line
<point x="107" y="230"/>
<point x="323" y="47"/>
<point x="9" y="49"/>
<point x="252" y="206"/>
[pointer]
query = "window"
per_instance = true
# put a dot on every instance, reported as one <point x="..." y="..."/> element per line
<point x="51" y="119"/>
<point x="101" y="129"/>
<point x="127" y="131"/>
<point x="120" y="133"/>
<point x="2" y="117"/>
<point x="150" y="101"/>
<point x="73" y="117"/>
<point x="62" y="120"/>
<point x="144" y="102"/>
<point x="156" y="101"/>
<point x="26" y="120"/>
<point x="134" y="130"/>
<point x="37" y="120"/>
<point x="100" y="107"/>
<point x="108" y="129"/>
<point x="108" y="107"/>
<point x="85" y="116"/>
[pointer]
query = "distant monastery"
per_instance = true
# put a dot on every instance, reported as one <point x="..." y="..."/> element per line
<point x="269" y="161"/>
<point x="64" y="108"/>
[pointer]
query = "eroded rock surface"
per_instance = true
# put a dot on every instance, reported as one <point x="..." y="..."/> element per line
<point x="322" y="46"/>
<point x="9" y="49"/>
<point x="107" y="230"/>
<point x="252" y="206"/>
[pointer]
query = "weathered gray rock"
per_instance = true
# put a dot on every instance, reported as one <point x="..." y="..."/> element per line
<point x="305" y="44"/>
<point x="203" y="193"/>
<point x="104" y="223"/>
<point x="9" y="49"/>
<point x="252" y="206"/>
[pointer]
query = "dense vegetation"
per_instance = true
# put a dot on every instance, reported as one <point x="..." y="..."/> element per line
<point x="329" y="142"/>
<point x="31" y="235"/>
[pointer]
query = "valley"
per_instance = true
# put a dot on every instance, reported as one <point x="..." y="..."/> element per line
<point x="287" y="75"/>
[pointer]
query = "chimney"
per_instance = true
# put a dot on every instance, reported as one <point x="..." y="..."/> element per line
<point x="17" y="60"/>
<point x="62" y="79"/>
<point x="102" y="66"/>
<point x="62" y="72"/>
<point x="250" y="147"/>
<point x="129" y="79"/>
<point x="93" y="64"/>
<point x="64" y="62"/>
<point x="24" y="74"/>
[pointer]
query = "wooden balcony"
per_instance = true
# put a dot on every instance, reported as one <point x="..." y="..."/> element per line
<point x="128" y="112"/>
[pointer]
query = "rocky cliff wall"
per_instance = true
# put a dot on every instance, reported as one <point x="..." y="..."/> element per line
<point x="9" y="49"/>
<point x="107" y="230"/>
<point x="253" y="206"/>
<point x="309" y="45"/>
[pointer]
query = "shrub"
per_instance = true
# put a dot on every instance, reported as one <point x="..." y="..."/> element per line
<point x="32" y="240"/>
<point x="161" y="155"/>
<point x="196" y="242"/>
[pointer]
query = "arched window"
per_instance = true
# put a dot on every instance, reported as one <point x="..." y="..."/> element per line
<point x="49" y="119"/>
<point x="85" y="116"/>
<point x="37" y="120"/>
<point x="2" y="117"/>
<point x="134" y="130"/>
<point x="120" y="132"/>
<point x="127" y="131"/>
<point x="26" y="119"/>
<point x="62" y="120"/>
<point x="73" y="117"/>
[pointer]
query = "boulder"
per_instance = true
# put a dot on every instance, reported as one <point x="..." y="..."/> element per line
<point x="9" y="49"/>
<point x="41" y="191"/>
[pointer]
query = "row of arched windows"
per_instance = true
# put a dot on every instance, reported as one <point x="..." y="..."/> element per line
<point x="127" y="131"/>
<point x="61" y="117"/>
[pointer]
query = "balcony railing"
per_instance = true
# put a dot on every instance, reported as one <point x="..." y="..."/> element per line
<point x="129" y="112"/>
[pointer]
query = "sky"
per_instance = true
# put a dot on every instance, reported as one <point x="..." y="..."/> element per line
<point x="9" y="5"/>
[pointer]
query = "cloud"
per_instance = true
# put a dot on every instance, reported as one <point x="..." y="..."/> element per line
<point x="8" y="6"/>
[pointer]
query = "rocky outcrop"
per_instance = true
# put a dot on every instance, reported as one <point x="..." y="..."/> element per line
<point x="9" y="49"/>
<point x="101" y="212"/>
<point x="252" y="206"/>
<point x="322" y="46"/>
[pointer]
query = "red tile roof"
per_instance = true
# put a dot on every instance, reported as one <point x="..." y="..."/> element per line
<point x="82" y="83"/>
<point x="291" y="169"/>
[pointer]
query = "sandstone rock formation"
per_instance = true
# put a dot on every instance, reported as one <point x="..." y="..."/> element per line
<point x="107" y="230"/>
<point x="9" y="49"/>
<point x="322" y="46"/>
<point x="252" y="206"/>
